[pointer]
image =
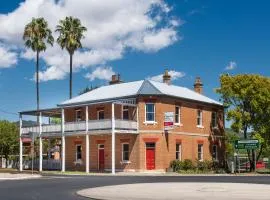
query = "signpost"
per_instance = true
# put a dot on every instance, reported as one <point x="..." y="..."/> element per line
<point x="168" y="120"/>
<point x="248" y="145"/>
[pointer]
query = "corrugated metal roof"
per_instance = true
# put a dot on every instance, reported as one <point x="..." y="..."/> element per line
<point x="135" y="88"/>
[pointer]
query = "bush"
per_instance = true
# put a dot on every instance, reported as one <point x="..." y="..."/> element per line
<point x="187" y="164"/>
<point x="204" y="166"/>
<point x="176" y="165"/>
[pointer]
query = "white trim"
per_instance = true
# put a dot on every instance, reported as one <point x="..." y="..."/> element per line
<point x="150" y="122"/>
<point x="202" y="146"/>
<point x="122" y="152"/>
<point x="180" y="151"/>
<point x="179" y="116"/>
<point x="76" y="115"/>
<point x="199" y="117"/>
<point x="199" y="126"/>
<point x="98" y="111"/>
<point x="216" y="153"/>
<point x="145" y="119"/>
<point x="76" y="153"/>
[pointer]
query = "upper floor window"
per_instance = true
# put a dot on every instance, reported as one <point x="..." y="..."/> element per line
<point x="100" y="114"/>
<point x="78" y="152"/>
<point x="125" y="152"/>
<point x="200" y="152"/>
<point x="125" y="112"/>
<point x="78" y="115"/>
<point x="149" y="112"/>
<point x="178" y="151"/>
<point x="214" y="119"/>
<point x="214" y="152"/>
<point x="177" y="115"/>
<point x="199" y="117"/>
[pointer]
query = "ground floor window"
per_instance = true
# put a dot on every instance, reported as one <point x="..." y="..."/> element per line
<point x="125" y="152"/>
<point x="214" y="152"/>
<point x="200" y="152"/>
<point x="178" y="151"/>
<point x="78" y="152"/>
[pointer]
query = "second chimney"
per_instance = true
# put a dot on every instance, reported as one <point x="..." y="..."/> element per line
<point x="115" y="79"/>
<point x="198" y="86"/>
<point x="167" y="77"/>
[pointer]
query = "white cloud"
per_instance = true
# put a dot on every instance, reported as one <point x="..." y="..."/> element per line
<point x="232" y="65"/>
<point x="8" y="58"/>
<point x="174" y="76"/>
<point x="102" y="73"/>
<point x="113" y="28"/>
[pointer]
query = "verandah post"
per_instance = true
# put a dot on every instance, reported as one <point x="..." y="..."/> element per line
<point x="21" y="145"/>
<point x="63" y="141"/>
<point x="87" y="140"/>
<point x="40" y="142"/>
<point x="113" y="140"/>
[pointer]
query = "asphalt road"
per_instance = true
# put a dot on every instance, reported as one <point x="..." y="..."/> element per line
<point x="65" y="187"/>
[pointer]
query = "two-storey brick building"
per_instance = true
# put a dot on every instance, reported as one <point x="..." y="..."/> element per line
<point x="121" y="127"/>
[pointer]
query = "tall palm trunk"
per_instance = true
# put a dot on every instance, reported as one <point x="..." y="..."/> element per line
<point x="70" y="75"/>
<point x="37" y="82"/>
<point x="37" y="79"/>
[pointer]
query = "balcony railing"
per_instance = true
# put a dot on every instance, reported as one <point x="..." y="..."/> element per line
<point x="93" y="125"/>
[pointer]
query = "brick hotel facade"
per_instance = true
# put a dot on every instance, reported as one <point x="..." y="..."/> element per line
<point x="120" y="127"/>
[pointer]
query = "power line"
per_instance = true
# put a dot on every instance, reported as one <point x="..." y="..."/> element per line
<point x="7" y="112"/>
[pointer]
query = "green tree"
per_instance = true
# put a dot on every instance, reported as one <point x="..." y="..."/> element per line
<point x="248" y="99"/>
<point x="230" y="137"/>
<point x="36" y="35"/>
<point x="70" y="35"/>
<point x="9" y="137"/>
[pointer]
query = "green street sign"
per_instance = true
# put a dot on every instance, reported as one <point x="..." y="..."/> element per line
<point x="246" y="144"/>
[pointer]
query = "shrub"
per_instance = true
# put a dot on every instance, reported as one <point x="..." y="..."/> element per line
<point x="187" y="164"/>
<point x="204" y="165"/>
<point x="176" y="165"/>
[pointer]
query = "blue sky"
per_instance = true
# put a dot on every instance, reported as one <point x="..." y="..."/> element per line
<point x="210" y="34"/>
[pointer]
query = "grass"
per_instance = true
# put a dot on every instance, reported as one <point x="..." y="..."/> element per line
<point x="263" y="171"/>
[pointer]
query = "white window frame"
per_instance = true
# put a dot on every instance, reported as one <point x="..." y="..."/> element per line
<point x="179" y="115"/>
<point x="76" y="153"/>
<point x="123" y="160"/>
<point x="123" y="110"/>
<point x="179" y="152"/>
<point x="201" y="153"/>
<point x="98" y="114"/>
<point x="216" y="153"/>
<point x="199" y="117"/>
<point x="145" y="114"/>
<point x="76" y="115"/>
<point x="215" y="119"/>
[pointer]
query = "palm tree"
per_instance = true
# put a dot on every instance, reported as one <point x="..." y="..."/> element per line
<point x="71" y="33"/>
<point x="36" y="35"/>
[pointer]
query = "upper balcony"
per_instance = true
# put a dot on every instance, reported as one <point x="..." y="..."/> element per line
<point x="73" y="128"/>
<point x="120" y="116"/>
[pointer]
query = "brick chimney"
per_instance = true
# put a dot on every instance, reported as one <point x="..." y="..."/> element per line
<point x="198" y="86"/>
<point x="166" y="77"/>
<point x="115" y="79"/>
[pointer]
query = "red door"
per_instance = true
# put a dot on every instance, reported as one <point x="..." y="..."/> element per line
<point x="101" y="159"/>
<point x="150" y="158"/>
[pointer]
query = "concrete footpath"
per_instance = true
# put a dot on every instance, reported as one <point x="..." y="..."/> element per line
<point x="17" y="176"/>
<point x="179" y="191"/>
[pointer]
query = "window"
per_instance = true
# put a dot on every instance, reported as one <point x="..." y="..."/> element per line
<point x="214" y="152"/>
<point x="125" y="152"/>
<point x="178" y="152"/>
<point x="177" y="115"/>
<point x="199" y="117"/>
<point x="214" y="119"/>
<point x="125" y="113"/>
<point x="149" y="112"/>
<point x="100" y="114"/>
<point x="78" y="115"/>
<point x="200" y="152"/>
<point x="78" y="152"/>
<point x="150" y="145"/>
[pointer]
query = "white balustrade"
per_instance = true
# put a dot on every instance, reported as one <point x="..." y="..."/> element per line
<point x="53" y="129"/>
